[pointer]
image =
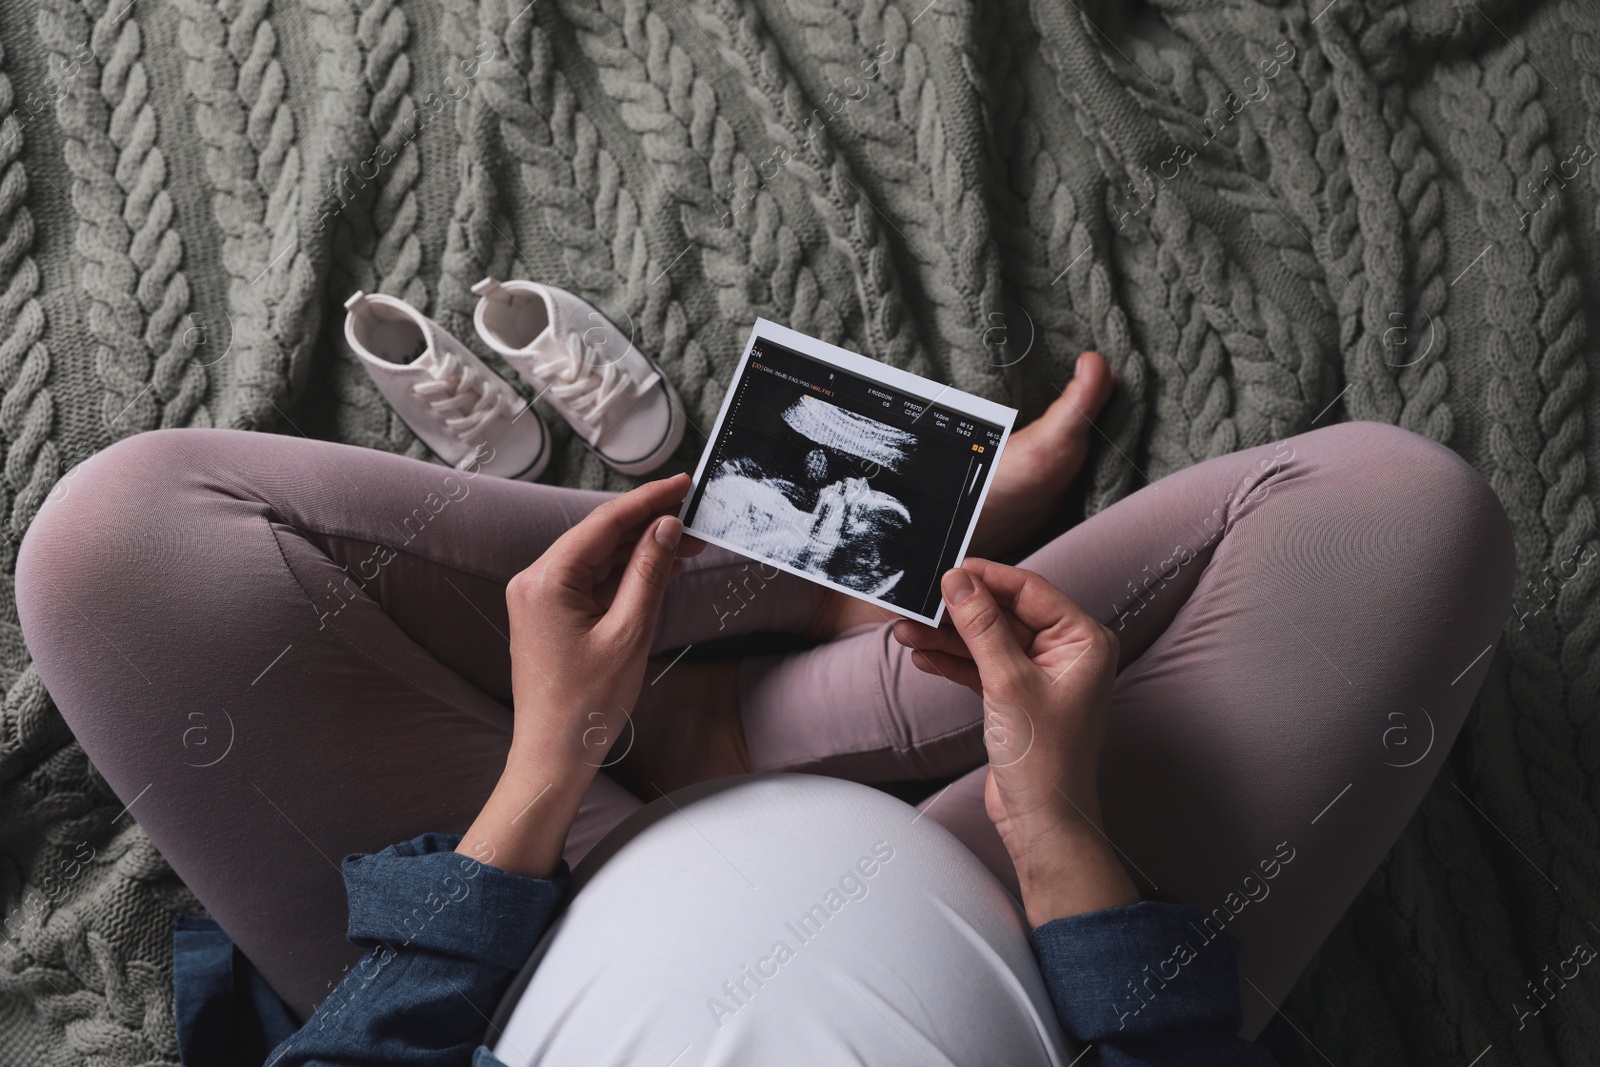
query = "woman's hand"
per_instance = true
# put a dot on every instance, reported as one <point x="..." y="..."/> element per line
<point x="1045" y="669"/>
<point x="582" y="617"/>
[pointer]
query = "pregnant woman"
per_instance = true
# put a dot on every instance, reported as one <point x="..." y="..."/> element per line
<point x="354" y="697"/>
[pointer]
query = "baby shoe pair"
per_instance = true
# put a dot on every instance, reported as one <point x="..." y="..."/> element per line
<point x="616" y="398"/>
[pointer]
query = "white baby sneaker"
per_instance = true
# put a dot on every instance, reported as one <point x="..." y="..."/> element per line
<point x="466" y="413"/>
<point x="614" y="396"/>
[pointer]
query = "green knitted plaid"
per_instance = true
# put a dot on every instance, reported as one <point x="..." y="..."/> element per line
<point x="1267" y="216"/>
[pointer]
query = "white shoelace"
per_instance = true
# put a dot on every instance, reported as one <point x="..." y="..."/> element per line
<point x="463" y="396"/>
<point x="584" y="388"/>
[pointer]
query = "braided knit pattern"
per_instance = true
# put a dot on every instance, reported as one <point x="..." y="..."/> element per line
<point x="1193" y="412"/>
<point x="383" y="35"/>
<point x="139" y="298"/>
<point x="1537" y="345"/>
<point x="574" y="188"/>
<point x="662" y="96"/>
<point x="361" y="63"/>
<point x="1393" y="172"/>
<point x="789" y="121"/>
<point x="27" y="407"/>
<point x="252" y="160"/>
<point x="1073" y="261"/>
<point x="1583" y="22"/>
<point x="776" y="248"/>
<point x="1234" y="160"/>
<point x="910" y="114"/>
<point x="478" y="240"/>
<point x="189" y="189"/>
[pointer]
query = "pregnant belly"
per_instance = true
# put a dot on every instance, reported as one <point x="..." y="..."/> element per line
<point x="782" y="920"/>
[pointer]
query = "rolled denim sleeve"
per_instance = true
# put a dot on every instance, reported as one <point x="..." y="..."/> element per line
<point x="445" y="934"/>
<point x="1147" y="984"/>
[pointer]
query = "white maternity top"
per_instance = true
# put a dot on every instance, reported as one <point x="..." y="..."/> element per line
<point x="782" y="921"/>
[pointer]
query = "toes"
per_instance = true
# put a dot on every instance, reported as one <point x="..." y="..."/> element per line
<point x="1084" y="397"/>
<point x="1092" y="382"/>
<point x="1069" y="414"/>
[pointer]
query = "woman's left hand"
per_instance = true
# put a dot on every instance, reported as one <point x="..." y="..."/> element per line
<point x="582" y="617"/>
<point x="1045" y="669"/>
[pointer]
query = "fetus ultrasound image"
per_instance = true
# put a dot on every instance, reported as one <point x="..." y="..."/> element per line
<point x="843" y="478"/>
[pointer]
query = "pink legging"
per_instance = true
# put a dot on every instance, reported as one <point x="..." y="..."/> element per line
<point x="281" y="651"/>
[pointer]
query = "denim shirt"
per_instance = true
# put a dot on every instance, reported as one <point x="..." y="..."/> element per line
<point x="445" y="936"/>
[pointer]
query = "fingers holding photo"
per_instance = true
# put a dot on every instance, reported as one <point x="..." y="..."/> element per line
<point x="1059" y="626"/>
<point x="947" y="638"/>
<point x="617" y="523"/>
<point x="1031" y="598"/>
<point x="642" y="583"/>
<point x="589" y="555"/>
<point x="608" y="573"/>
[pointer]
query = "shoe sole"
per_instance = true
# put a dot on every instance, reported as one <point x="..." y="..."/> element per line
<point x="530" y="473"/>
<point x="663" y="451"/>
<point x="537" y="467"/>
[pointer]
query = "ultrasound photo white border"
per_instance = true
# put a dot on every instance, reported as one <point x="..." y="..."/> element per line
<point x="914" y="385"/>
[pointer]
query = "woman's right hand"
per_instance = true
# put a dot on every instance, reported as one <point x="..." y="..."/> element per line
<point x="1045" y="669"/>
<point x="581" y="619"/>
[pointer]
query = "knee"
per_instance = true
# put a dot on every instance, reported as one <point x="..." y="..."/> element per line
<point x="1422" y="476"/>
<point x="1439" y="511"/>
<point x="105" y="518"/>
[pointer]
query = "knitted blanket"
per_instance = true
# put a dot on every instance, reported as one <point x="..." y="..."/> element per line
<point x="1268" y="216"/>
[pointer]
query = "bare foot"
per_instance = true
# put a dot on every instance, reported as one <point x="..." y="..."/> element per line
<point x="1041" y="460"/>
<point x="686" y="728"/>
<point x="1036" y="469"/>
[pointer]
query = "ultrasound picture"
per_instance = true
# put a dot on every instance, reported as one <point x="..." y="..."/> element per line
<point x="843" y="478"/>
<point x="823" y="517"/>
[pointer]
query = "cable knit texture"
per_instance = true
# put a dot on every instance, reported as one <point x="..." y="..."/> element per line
<point x="1267" y="215"/>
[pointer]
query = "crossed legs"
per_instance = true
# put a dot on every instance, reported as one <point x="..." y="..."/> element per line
<point x="285" y="651"/>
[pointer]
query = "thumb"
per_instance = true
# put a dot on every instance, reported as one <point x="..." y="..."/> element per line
<point x="643" y="584"/>
<point x="981" y="622"/>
